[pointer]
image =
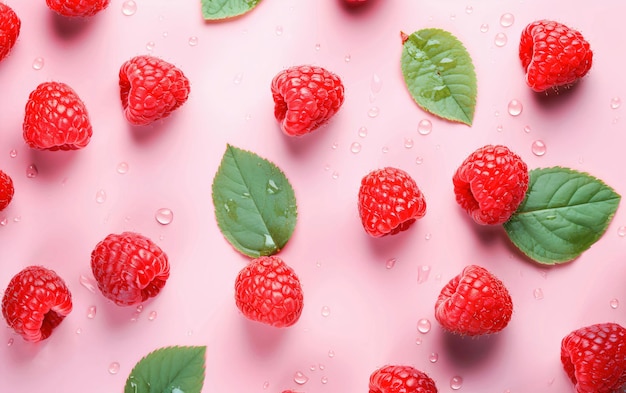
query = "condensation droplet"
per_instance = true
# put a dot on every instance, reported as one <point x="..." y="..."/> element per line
<point x="324" y="380"/>
<point x="500" y="128"/>
<point x="17" y="218"/>
<point x="390" y="263"/>
<point x="484" y="28"/>
<point x="424" y="127"/>
<point x="279" y="30"/>
<point x="527" y="129"/>
<point x="419" y="160"/>
<point x="164" y="216"/>
<point x="38" y="63"/>
<point x="331" y="353"/>
<point x="114" y="368"/>
<point x="152" y="316"/>
<point x="373" y="111"/>
<point x="408" y="143"/>
<point x="500" y="40"/>
<point x="507" y="20"/>
<point x="456" y="383"/>
<point x="79" y="331"/>
<point x="266" y="384"/>
<point x="91" y="312"/>
<point x="362" y="132"/>
<point x="101" y="196"/>
<point x="335" y="145"/>
<point x="129" y="7"/>
<point x="122" y="168"/>
<point x="347" y="58"/>
<point x="335" y="175"/>
<point x="385" y="149"/>
<point x="325" y="311"/>
<point x="321" y="366"/>
<point x="418" y="341"/>
<point x="355" y="147"/>
<point x="433" y="357"/>
<point x="165" y="34"/>
<point x="423" y="326"/>
<point x="469" y="9"/>
<point x="300" y="378"/>
<point x="616" y="102"/>
<point x="538" y="293"/>
<point x="238" y="78"/>
<point x="88" y="283"/>
<point x="13" y="153"/>
<point x="4" y="221"/>
<point x="614" y="303"/>
<point x="32" y="171"/>
<point x="150" y="46"/>
<point x="318" y="47"/>
<point x="376" y="84"/>
<point x="621" y="231"/>
<point x="10" y="342"/>
<point x="515" y="107"/>
<point x="538" y="148"/>
<point x="192" y="41"/>
<point x="422" y="274"/>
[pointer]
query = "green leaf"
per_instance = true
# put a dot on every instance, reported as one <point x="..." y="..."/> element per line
<point x="564" y="213"/>
<point x="254" y="202"/>
<point x="223" y="9"/>
<point x="169" y="370"/>
<point x="439" y="74"/>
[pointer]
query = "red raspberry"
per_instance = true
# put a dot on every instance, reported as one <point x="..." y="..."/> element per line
<point x="355" y="3"/>
<point x="401" y="379"/>
<point x="151" y="89"/>
<point x="56" y="118"/>
<point x="491" y="184"/>
<point x="129" y="268"/>
<point x="36" y="302"/>
<point x="268" y="291"/>
<point x="6" y="189"/>
<point x="553" y="55"/>
<point x="9" y="29"/>
<point x="389" y="202"/>
<point x="77" y="7"/>
<point x="305" y="98"/>
<point x="594" y="358"/>
<point x="474" y="303"/>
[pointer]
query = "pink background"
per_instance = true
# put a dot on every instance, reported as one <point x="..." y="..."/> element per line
<point x="360" y="313"/>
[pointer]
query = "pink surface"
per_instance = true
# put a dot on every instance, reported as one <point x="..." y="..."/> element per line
<point x="360" y="312"/>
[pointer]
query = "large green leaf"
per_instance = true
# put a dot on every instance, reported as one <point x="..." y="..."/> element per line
<point x="169" y="370"/>
<point x="255" y="205"/>
<point x="223" y="9"/>
<point x="564" y="213"/>
<point x="439" y="74"/>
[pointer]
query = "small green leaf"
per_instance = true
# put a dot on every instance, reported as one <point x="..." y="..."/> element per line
<point x="564" y="213"/>
<point x="255" y="205"/>
<point x="224" y="9"/>
<point x="439" y="74"/>
<point x="169" y="370"/>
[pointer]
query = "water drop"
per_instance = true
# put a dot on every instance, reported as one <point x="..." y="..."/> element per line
<point x="376" y="84"/>
<point x="423" y="326"/>
<point x="272" y="187"/>
<point x="538" y="293"/>
<point x="428" y="236"/>
<point x="456" y="383"/>
<point x="279" y="30"/>
<point x="32" y="171"/>
<point x="527" y="129"/>
<point x="500" y="128"/>
<point x="122" y="168"/>
<point x="385" y="149"/>
<point x="165" y="34"/>
<point x="101" y="196"/>
<point x="114" y="368"/>
<point x="469" y="9"/>
<point x="150" y="46"/>
<point x="152" y="316"/>
<point x="88" y="283"/>
<point x="507" y="20"/>
<point x="422" y="274"/>
<point x="313" y="367"/>
<point x="419" y="160"/>
<point x="129" y="7"/>
<point x="433" y="357"/>
<point x="325" y="311"/>
<point x="615" y="102"/>
<point x="10" y="342"/>
<point x="4" y="221"/>
<point x="13" y="153"/>
<point x="192" y="41"/>
<point x="418" y="341"/>
<point x="318" y="47"/>
<point x="500" y="39"/>
<point x="238" y="78"/>
<point x="362" y="132"/>
<point x="79" y="331"/>
<point x="538" y="148"/>
<point x="266" y="384"/>
<point x="614" y="303"/>
<point x="373" y="111"/>
<point x="324" y="380"/>
<point x="424" y="127"/>
<point x="408" y="143"/>
<point x="38" y="63"/>
<point x="347" y="58"/>
<point x="91" y="312"/>
<point x="331" y="353"/>
<point x="484" y="28"/>
<point x="300" y="378"/>
<point x="515" y="107"/>
<point x="355" y="147"/>
<point x="321" y="366"/>
<point x="164" y="216"/>
<point x="391" y="262"/>
<point x="621" y="231"/>
<point x="17" y="218"/>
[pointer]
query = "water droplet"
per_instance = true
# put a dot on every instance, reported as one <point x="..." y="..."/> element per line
<point x="538" y="293"/>
<point x="515" y="107"/>
<point x="238" y="78"/>
<point x="408" y="143"/>
<point x="300" y="378"/>
<point x="139" y="308"/>
<point x="192" y="41"/>
<point x="88" y="283"/>
<point x="347" y="58"/>
<point x="79" y="331"/>
<point x="321" y="366"/>
<point x="424" y="127"/>
<point x="13" y="153"/>
<point x="452" y="16"/>
<point x="129" y="7"/>
<point x="10" y="342"/>
<point x="32" y="171"/>
<point x="324" y="380"/>
<point x="527" y="129"/>
<point x="355" y="147"/>
<point x="362" y="132"/>
<point x="428" y="236"/>
<point x="419" y="160"/>
<point x="422" y="273"/>
<point x="114" y="368"/>
<point x="376" y="84"/>
<point x="373" y="111"/>
<point x="150" y="46"/>
<point x="496" y="113"/>
<point x="456" y="383"/>
<point x="101" y="196"/>
<point x="152" y="316"/>
<point x="38" y="63"/>
<point x="614" y="303"/>
<point x="469" y="9"/>
<point x="266" y="384"/>
<point x="423" y="326"/>
<point x="507" y="20"/>
<point x="279" y="30"/>
<point x="17" y="218"/>
<point x="418" y="341"/>
<point x="164" y="216"/>
<point x="318" y="47"/>
<point x="615" y="102"/>
<point x="433" y="357"/>
<point x="385" y="149"/>
<point x="484" y="28"/>
<point x="313" y="367"/>
<point x="335" y="145"/>
<point x="500" y="128"/>
<point x="331" y="353"/>
<point x="621" y="231"/>
<point x="91" y="312"/>
<point x="272" y="187"/>
<point x="391" y="262"/>
<point x="4" y="221"/>
<point x="122" y="168"/>
<point x="538" y="148"/>
<point x="325" y="311"/>
<point x="165" y="34"/>
<point x="500" y="40"/>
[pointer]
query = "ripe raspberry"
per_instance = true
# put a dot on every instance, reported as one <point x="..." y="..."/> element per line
<point x="6" y="190"/>
<point x="151" y="89"/>
<point x="355" y="3"/>
<point x="594" y="358"/>
<point x="474" y="303"/>
<point x="268" y="291"/>
<point x="401" y="379"/>
<point x="56" y="118"/>
<point x="9" y="29"/>
<point x="77" y="7"/>
<point x="389" y="202"/>
<point x="35" y="302"/>
<point x="553" y="55"/>
<point x="129" y="268"/>
<point x="491" y="184"/>
<point x="305" y="98"/>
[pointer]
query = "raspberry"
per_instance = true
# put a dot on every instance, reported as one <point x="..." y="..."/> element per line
<point x="56" y="118"/>
<point x="305" y="98"/>
<point x="594" y="358"/>
<point x="268" y="291"/>
<point x="129" y="268"/>
<point x="401" y="379"/>
<point x="474" y="303"/>
<point x="77" y="7"/>
<point x="355" y="3"/>
<point x="10" y="25"/>
<point x="553" y="55"/>
<point x="151" y="89"/>
<point x="491" y="184"/>
<point x="35" y="302"/>
<point x="6" y="190"/>
<point x="389" y="202"/>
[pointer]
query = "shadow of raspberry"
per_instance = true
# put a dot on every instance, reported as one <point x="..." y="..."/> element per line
<point x="70" y="28"/>
<point x="468" y="352"/>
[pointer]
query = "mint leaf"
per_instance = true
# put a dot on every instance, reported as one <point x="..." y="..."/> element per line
<point x="223" y="9"/>
<point x="255" y="205"/>
<point x="439" y="74"/>
<point x="564" y="213"/>
<point x="169" y="369"/>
